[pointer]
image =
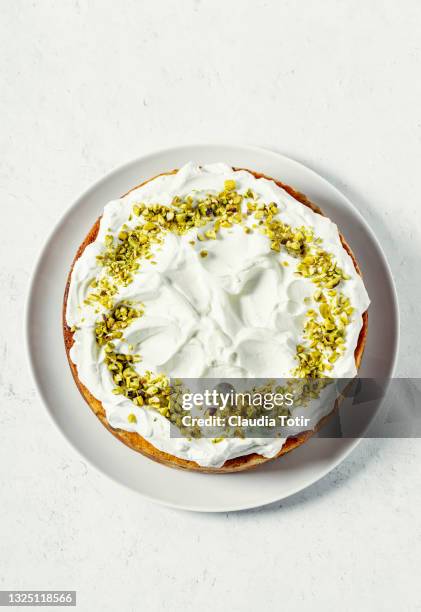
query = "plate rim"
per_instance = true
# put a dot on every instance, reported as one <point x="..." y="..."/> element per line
<point x="348" y="444"/>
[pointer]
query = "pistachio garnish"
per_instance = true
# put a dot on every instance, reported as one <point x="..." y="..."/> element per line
<point x="111" y="326"/>
<point x="229" y="185"/>
<point x="324" y="333"/>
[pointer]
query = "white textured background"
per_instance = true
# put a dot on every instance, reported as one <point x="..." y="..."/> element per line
<point x="86" y="86"/>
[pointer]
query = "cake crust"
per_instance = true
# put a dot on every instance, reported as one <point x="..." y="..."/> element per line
<point x="137" y="442"/>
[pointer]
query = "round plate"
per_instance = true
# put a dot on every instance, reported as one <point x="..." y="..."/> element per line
<point x="180" y="489"/>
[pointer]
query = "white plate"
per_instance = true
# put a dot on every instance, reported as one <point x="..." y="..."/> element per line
<point x="200" y="492"/>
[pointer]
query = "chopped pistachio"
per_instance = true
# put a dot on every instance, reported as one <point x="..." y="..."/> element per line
<point x="229" y="185"/>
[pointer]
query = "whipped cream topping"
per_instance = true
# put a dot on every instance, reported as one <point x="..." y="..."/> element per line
<point x="233" y="314"/>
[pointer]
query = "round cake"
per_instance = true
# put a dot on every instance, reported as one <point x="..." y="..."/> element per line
<point x="208" y="272"/>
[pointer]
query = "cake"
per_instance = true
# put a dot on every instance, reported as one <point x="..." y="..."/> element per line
<point x="208" y="272"/>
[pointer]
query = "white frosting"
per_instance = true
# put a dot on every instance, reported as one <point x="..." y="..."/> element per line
<point x="235" y="313"/>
